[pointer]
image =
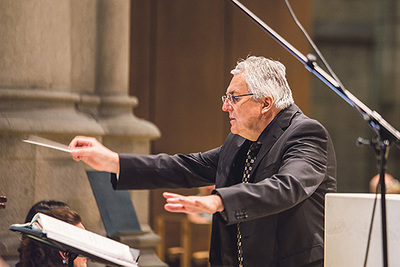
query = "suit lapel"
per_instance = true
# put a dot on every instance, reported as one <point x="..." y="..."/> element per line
<point x="273" y="132"/>
<point x="228" y="155"/>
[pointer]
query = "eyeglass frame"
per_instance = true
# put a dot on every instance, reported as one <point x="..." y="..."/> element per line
<point x="232" y="98"/>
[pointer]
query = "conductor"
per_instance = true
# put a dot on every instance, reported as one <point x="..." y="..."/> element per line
<point x="270" y="175"/>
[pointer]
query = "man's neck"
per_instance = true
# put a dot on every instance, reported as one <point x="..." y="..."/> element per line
<point x="264" y="122"/>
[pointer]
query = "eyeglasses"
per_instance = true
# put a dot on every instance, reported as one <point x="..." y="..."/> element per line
<point x="232" y="98"/>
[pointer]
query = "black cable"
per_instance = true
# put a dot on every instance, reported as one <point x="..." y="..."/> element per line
<point x="310" y="41"/>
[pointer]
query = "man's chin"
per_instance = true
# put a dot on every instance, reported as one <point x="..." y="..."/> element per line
<point x="234" y="131"/>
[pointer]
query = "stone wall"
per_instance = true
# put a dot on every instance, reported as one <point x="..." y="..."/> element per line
<point x="64" y="71"/>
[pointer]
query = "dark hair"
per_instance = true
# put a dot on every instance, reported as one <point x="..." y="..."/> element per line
<point x="35" y="253"/>
<point x="66" y="215"/>
<point x="43" y="206"/>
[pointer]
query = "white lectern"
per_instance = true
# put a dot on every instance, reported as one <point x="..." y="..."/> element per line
<point x="347" y="223"/>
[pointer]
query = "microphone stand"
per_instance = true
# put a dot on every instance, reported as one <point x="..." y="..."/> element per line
<point x="386" y="135"/>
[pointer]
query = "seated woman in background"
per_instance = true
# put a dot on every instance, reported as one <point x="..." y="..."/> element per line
<point x="43" y="206"/>
<point x="35" y="253"/>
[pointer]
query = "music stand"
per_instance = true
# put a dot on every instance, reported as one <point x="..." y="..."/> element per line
<point x="115" y="206"/>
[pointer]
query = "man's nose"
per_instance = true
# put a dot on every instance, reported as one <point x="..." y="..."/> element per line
<point x="226" y="106"/>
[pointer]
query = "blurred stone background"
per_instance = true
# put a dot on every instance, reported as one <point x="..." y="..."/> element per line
<point x="147" y="77"/>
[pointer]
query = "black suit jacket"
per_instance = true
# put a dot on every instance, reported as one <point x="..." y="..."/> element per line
<point x="281" y="209"/>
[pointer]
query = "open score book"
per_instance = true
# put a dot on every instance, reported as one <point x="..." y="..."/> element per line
<point x="68" y="237"/>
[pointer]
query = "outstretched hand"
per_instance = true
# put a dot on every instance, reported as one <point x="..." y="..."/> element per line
<point x="193" y="204"/>
<point x="94" y="154"/>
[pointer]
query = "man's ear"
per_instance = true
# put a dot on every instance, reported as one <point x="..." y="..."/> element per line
<point x="267" y="104"/>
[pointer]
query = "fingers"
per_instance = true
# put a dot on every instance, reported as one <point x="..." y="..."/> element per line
<point x="171" y="195"/>
<point x="80" y="154"/>
<point x="78" y="145"/>
<point x="185" y="204"/>
<point x="176" y="198"/>
<point x="75" y="142"/>
<point x="173" y="204"/>
<point x="182" y="208"/>
<point x="82" y="141"/>
<point x="78" y="142"/>
<point x="175" y="208"/>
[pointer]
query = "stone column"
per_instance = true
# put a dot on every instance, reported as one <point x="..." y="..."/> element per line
<point x="36" y="98"/>
<point x="112" y="80"/>
<point x="54" y="84"/>
<point x="123" y="132"/>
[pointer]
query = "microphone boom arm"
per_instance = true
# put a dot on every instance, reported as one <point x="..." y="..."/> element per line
<point x="374" y="119"/>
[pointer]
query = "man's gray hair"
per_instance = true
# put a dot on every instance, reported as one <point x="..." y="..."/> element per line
<point x="266" y="77"/>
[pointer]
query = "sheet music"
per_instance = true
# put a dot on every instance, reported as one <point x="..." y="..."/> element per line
<point x="36" y="140"/>
<point x="86" y="242"/>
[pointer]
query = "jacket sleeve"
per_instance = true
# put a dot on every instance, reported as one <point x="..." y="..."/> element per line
<point x="166" y="171"/>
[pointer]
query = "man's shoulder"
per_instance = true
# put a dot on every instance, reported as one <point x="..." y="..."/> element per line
<point x="299" y="119"/>
<point x="302" y="125"/>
